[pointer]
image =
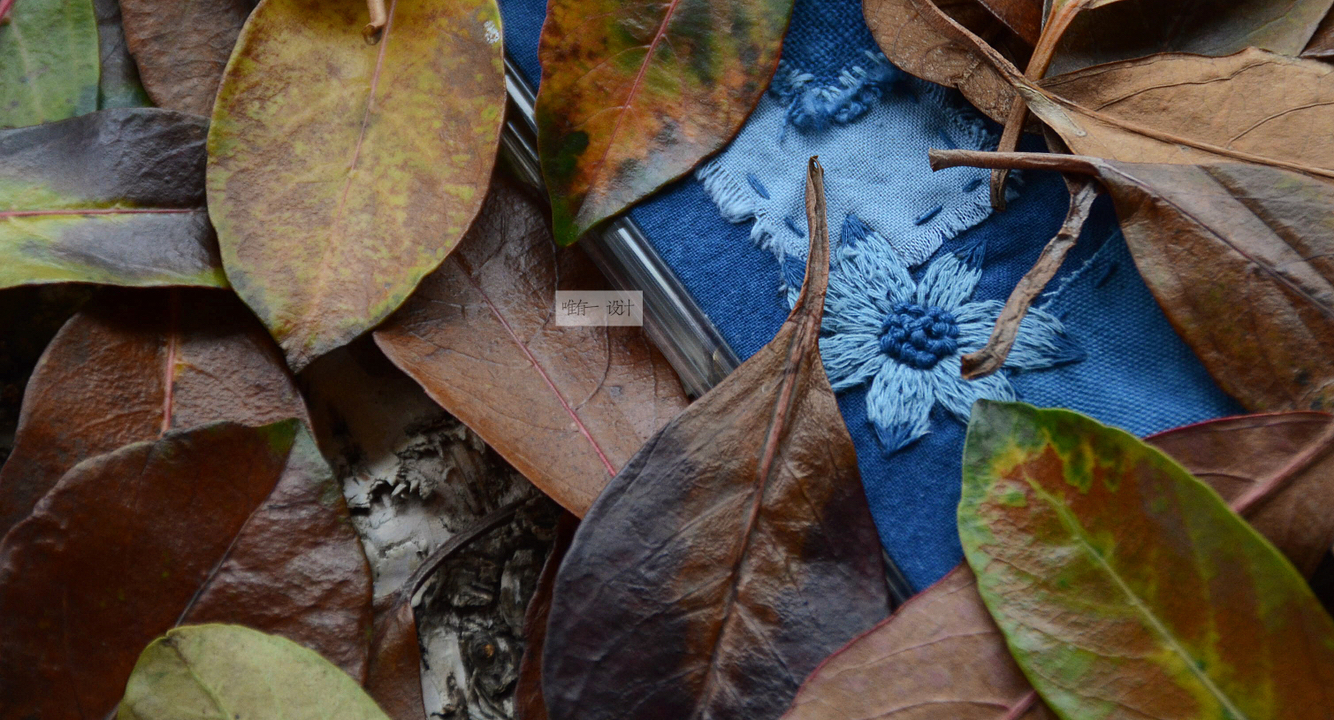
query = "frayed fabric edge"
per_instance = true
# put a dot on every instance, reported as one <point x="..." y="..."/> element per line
<point x="967" y="129"/>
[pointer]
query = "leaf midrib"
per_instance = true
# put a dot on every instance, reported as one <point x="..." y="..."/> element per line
<point x="784" y="402"/>
<point x="658" y="35"/>
<point x="1071" y="523"/>
<point x="321" y="283"/>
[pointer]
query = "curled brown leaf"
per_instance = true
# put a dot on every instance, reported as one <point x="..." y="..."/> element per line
<point x="911" y="34"/>
<point x="732" y="553"/>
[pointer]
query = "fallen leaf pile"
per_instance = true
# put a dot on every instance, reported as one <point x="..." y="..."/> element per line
<point x="313" y="219"/>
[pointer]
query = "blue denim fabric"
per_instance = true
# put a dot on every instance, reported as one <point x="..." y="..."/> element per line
<point x="1136" y="374"/>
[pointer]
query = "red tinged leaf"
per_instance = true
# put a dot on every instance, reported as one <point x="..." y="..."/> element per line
<point x="942" y="657"/>
<point x="132" y="365"/>
<point x="732" y="554"/>
<point x="1277" y="471"/>
<point x="1124" y="585"/>
<point x="635" y="93"/>
<point x="224" y="523"/>
<point x="566" y="406"/>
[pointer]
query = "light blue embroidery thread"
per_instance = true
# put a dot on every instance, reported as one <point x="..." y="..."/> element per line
<point x="814" y="108"/>
<point x="906" y="336"/>
<point x="871" y="128"/>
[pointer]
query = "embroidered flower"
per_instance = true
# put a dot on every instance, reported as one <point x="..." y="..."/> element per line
<point x="906" y="337"/>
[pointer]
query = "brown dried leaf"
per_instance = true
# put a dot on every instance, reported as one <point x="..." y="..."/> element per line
<point x="223" y="523"/>
<point x="1321" y="45"/>
<point x="1239" y="258"/>
<point x="1023" y="17"/>
<point x="394" y="674"/>
<point x="939" y="657"/>
<point x="915" y="36"/>
<point x="942" y="656"/>
<point x="181" y="48"/>
<point x="132" y="365"/>
<point x="732" y="554"/>
<point x="1276" y="470"/>
<point x="1135" y="28"/>
<point x="529" y="704"/>
<point x="1176" y="108"/>
<point x="566" y="406"/>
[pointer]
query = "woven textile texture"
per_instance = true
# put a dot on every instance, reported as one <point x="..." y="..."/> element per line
<point x="1112" y="353"/>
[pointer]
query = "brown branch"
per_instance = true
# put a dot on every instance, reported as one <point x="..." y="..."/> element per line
<point x="1068" y="164"/>
<point x="1043" y="53"/>
<point x="379" y="17"/>
<point x="992" y="356"/>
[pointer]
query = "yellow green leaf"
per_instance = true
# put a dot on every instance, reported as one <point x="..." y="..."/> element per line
<point x="341" y="173"/>
<point x="48" y="61"/>
<point x="230" y="671"/>
<point x="1127" y="588"/>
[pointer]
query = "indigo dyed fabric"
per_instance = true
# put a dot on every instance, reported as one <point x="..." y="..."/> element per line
<point x="1099" y="344"/>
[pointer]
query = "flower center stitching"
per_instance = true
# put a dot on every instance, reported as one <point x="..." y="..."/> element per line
<point x="919" y="336"/>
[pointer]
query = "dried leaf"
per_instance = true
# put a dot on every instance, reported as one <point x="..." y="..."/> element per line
<point x="939" y="657"/>
<point x="915" y="35"/>
<point x="1239" y="258"/>
<point x="566" y="406"/>
<point x="224" y="523"/>
<point x="1124" y="584"/>
<point x="1275" y="470"/>
<point x="114" y="197"/>
<point x="1177" y="108"/>
<point x="1321" y="45"/>
<point x="732" y="554"/>
<point x="336" y="185"/>
<point x="529" y="704"/>
<point x="131" y="366"/>
<point x="1129" y="29"/>
<point x="942" y="656"/>
<point x="233" y="671"/>
<point x="119" y="84"/>
<point x="394" y="675"/>
<point x="48" y="61"/>
<point x="182" y="48"/>
<point x="635" y="93"/>
<point x="1023" y="17"/>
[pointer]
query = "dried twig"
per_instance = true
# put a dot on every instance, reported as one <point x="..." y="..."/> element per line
<point x="992" y="356"/>
<point x="1043" y="54"/>
<point x="379" y="17"/>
